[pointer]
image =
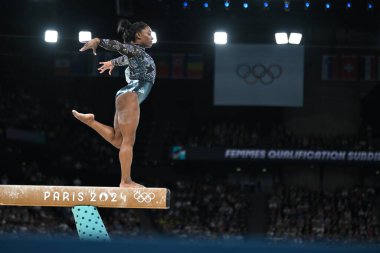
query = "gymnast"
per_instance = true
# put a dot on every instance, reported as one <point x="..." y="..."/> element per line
<point x="140" y="75"/>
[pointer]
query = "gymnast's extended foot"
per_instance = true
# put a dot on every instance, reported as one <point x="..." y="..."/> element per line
<point x="86" y="118"/>
<point x="131" y="184"/>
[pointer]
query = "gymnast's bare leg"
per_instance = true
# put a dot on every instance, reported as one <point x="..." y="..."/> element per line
<point x="122" y="135"/>
<point x="128" y="116"/>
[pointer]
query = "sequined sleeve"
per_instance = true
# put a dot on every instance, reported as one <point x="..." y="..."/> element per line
<point x="120" y="61"/>
<point x="122" y="48"/>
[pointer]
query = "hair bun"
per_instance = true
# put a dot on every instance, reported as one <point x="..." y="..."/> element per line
<point x="123" y="25"/>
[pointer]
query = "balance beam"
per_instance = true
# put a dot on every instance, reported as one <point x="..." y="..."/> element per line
<point x="70" y="196"/>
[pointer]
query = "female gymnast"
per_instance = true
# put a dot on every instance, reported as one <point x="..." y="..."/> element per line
<point x="140" y="75"/>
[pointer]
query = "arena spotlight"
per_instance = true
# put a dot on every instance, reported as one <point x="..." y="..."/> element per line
<point x="154" y="35"/>
<point x="245" y="5"/>
<point x="348" y="5"/>
<point x="370" y="6"/>
<point x="281" y="38"/>
<point x="205" y="5"/>
<point x="327" y="6"/>
<point x="185" y="4"/>
<point x="220" y="38"/>
<point x="266" y="5"/>
<point x="295" y="38"/>
<point x="84" y="36"/>
<point x="307" y="5"/>
<point x="227" y="4"/>
<point x="286" y="5"/>
<point x="51" y="36"/>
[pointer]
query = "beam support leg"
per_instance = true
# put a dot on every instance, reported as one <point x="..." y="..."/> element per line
<point x="89" y="223"/>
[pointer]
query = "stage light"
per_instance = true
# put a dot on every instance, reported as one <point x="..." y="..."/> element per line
<point x="185" y="4"/>
<point x="205" y="5"/>
<point x="286" y="6"/>
<point x="370" y="6"/>
<point x="266" y="4"/>
<point x="348" y="5"/>
<point x="220" y="38"/>
<point x="281" y="38"/>
<point x="307" y="5"/>
<point x="295" y="38"/>
<point x="226" y="4"/>
<point x="245" y="5"/>
<point x="154" y="35"/>
<point x="327" y="6"/>
<point x="84" y="36"/>
<point x="51" y="36"/>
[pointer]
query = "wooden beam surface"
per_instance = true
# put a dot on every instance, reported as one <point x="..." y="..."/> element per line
<point x="69" y="196"/>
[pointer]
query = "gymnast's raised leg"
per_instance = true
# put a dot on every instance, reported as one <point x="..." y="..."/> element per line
<point x="110" y="134"/>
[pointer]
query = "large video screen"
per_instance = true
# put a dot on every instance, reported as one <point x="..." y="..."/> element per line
<point x="259" y="75"/>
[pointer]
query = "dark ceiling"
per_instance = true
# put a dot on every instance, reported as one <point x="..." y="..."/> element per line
<point x="173" y="23"/>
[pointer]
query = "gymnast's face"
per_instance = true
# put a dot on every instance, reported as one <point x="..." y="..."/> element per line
<point x="144" y="37"/>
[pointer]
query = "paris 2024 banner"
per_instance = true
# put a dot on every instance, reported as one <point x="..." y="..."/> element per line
<point x="259" y="75"/>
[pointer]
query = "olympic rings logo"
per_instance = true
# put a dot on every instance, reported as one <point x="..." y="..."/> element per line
<point x="144" y="197"/>
<point x="252" y="74"/>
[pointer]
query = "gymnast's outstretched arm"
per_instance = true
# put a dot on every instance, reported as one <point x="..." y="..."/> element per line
<point x="126" y="49"/>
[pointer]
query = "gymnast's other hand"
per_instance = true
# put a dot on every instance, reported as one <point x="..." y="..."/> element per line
<point x="106" y="65"/>
<point x="91" y="44"/>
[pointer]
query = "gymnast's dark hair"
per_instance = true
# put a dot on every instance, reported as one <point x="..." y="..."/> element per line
<point x="129" y="30"/>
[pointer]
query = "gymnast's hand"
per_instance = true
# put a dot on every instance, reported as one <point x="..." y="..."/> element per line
<point x="106" y="65"/>
<point x="91" y="44"/>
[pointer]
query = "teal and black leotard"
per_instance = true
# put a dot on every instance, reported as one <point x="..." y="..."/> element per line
<point x="140" y="72"/>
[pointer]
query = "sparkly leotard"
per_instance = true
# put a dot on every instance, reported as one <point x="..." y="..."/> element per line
<point x="140" y="72"/>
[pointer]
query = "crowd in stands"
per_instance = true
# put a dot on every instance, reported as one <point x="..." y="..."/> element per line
<point x="59" y="222"/>
<point x="303" y="215"/>
<point x="250" y="135"/>
<point x="208" y="209"/>
<point x="24" y="110"/>
<point x="62" y="142"/>
<point x="219" y="210"/>
<point x="201" y="209"/>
